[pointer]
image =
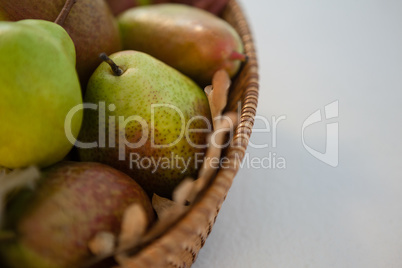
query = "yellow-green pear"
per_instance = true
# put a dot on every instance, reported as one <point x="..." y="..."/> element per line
<point x="149" y="121"/>
<point x="38" y="87"/>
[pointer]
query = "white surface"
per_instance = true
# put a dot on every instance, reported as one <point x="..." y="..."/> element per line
<point x="310" y="214"/>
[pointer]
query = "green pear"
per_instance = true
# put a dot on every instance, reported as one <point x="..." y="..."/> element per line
<point x="148" y="108"/>
<point x="59" y="35"/>
<point x="70" y="204"/>
<point x="38" y="87"/>
<point x="90" y="24"/>
<point x="193" y="41"/>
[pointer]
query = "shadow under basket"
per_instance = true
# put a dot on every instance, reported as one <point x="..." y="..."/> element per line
<point x="179" y="246"/>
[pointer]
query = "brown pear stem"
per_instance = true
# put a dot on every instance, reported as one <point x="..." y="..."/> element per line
<point x="64" y="12"/>
<point x="237" y="56"/>
<point x="115" y="68"/>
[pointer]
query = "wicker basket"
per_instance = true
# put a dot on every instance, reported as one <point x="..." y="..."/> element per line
<point x="180" y="245"/>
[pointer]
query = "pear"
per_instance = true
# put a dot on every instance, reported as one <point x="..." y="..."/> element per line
<point x="71" y="203"/>
<point x="38" y="87"/>
<point x="90" y="24"/>
<point x="191" y="40"/>
<point x="148" y="106"/>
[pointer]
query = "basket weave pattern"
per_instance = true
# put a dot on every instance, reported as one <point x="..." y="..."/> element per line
<point x="179" y="247"/>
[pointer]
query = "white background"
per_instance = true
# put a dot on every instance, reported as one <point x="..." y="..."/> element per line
<point x="312" y="53"/>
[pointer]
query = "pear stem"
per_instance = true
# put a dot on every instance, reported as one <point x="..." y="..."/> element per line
<point x="64" y="12"/>
<point x="115" y="68"/>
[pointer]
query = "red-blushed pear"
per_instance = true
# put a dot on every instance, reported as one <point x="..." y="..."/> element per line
<point x="90" y="24"/>
<point x="191" y="40"/>
<point x="149" y="108"/>
<point x="71" y="203"/>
